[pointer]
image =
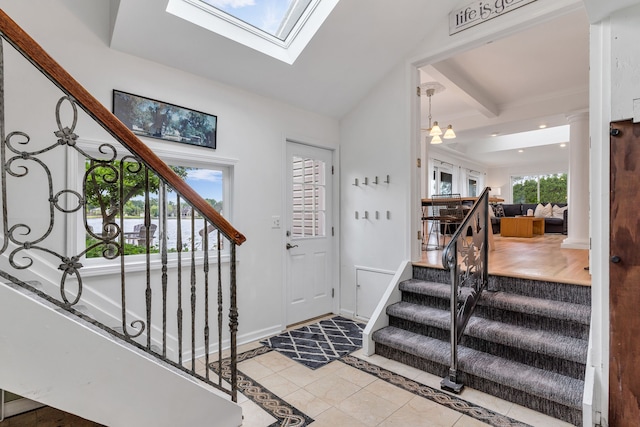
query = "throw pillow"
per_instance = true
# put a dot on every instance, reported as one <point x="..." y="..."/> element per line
<point x="548" y="210"/>
<point x="558" y="212"/>
<point x="539" y="212"/>
<point x="543" y="211"/>
<point x="499" y="211"/>
<point x="492" y="214"/>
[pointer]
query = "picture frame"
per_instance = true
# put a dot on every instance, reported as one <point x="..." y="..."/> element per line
<point x="161" y="120"/>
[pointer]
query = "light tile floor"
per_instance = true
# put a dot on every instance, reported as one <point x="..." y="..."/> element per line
<point x="338" y="395"/>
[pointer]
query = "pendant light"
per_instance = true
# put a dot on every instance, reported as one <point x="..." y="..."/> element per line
<point x="435" y="131"/>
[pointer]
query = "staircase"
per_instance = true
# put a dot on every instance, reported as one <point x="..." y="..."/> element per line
<point x="526" y="342"/>
<point x="61" y="360"/>
<point x="106" y="329"/>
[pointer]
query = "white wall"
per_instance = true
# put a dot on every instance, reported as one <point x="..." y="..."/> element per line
<point x="381" y="134"/>
<point x="375" y="141"/>
<point x="95" y="377"/>
<point x="251" y="130"/>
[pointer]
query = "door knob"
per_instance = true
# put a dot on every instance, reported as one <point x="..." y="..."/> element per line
<point x="615" y="259"/>
<point x="289" y="246"/>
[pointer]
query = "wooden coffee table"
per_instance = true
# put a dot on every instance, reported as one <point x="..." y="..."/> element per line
<point x="521" y="226"/>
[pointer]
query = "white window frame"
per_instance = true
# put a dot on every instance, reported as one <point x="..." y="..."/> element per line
<point x="537" y="175"/>
<point x="438" y="166"/>
<point x="478" y="177"/>
<point x="182" y="155"/>
<point x="212" y="19"/>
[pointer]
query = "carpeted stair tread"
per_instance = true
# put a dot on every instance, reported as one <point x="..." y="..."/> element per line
<point x="547" y="385"/>
<point x="506" y="301"/>
<point x="537" y="341"/>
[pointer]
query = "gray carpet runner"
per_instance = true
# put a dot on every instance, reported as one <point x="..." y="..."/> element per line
<point x="517" y="346"/>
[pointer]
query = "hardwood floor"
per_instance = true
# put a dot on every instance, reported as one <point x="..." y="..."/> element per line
<point x="47" y="417"/>
<point x="538" y="257"/>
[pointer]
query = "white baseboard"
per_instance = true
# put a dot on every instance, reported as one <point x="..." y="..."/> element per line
<point x="570" y="243"/>
<point x="348" y="313"/>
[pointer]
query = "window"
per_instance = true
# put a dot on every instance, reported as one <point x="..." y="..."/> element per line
<point x="102" y="207"/>
<point x="210" y="176"/>
<point x="276" y="18"/>
<point x="309" y="201"/>
<point x="474" y="182"/>
<point x="278" y="28"/>
<point x="549" y="188"/>
<point x="472" y="187"/>
<point x="442" y="179"/>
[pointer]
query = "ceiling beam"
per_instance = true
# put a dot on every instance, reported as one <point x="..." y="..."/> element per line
<point x="448" y="76"/>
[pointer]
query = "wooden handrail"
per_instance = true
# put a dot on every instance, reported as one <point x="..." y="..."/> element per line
<point x="35" y="54"/>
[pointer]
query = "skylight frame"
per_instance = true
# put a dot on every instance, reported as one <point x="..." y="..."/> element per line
<point x="220" y="22"/>
<point x="290" y="35"/>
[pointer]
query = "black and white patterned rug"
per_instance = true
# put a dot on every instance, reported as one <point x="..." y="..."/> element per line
<point x="320" y="343"/>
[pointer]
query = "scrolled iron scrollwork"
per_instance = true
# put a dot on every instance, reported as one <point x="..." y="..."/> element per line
<point x="66" y="134"/>
<point x="70" y="267"/>
<point x="20" y="161"/>
<point x="134" y="324"/>
<point x="56" y="199"/>
<point x="38" y="231"/>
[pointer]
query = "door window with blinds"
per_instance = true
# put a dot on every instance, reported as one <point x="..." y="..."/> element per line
<point x="309" y="198"/>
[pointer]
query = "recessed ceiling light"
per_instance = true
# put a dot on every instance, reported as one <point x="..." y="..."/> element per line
<point x="563" y="145"/>
<point x="542" y="126"/>
<point x="495" y="134"/>
<point x="520" y="151"/>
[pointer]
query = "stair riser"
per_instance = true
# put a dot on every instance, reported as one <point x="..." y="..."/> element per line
<point x="534" y="288"/>
<point x="431" y="274"/>
<point x="426" y="300"/>
<point x="553" y="409"/>
<point x="568" y="328"/>
<point x="565" y="292"/>
<point x="548" y="363"/>
<point x="564" y="327"/>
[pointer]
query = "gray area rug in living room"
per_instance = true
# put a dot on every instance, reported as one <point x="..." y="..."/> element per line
<point x="320" y="343"/>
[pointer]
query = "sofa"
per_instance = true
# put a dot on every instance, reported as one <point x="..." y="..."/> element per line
<point x="554" y="214"/>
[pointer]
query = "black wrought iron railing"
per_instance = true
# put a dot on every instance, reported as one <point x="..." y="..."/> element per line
<point x="466" y="257"/>
<point x="175" y="272"/>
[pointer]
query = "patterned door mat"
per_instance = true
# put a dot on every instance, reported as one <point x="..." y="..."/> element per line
<point x="320" y="343"/>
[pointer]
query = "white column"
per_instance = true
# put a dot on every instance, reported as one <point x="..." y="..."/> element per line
<point x="578" y="197"/>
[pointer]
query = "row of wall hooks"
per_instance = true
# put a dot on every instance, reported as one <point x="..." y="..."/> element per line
<point x="365" y="215"/>
<point x="375" y="181"/>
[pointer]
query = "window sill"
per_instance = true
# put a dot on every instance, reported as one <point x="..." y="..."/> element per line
<point x="138" y="263"/>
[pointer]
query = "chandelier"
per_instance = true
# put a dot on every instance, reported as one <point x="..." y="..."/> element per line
<point x="435" y="131"/>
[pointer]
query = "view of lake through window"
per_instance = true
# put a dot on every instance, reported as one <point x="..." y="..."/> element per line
<point x="103" y="195"/>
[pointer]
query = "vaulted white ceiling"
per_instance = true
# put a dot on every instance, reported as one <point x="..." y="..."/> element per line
<point x="357" y="45"/>
<point x="536" y="76"/>
<point x="514" y="85"/>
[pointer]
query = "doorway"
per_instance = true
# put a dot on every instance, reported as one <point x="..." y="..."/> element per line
<point x="309" y="232"/>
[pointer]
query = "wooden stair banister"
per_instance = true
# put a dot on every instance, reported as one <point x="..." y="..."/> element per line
<point x="35" y="54"/>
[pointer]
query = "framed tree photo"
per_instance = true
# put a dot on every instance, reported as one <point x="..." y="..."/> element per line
<point x="161" y="120"/>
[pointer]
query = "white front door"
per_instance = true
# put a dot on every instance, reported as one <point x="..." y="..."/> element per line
<point x="309" y="232"/>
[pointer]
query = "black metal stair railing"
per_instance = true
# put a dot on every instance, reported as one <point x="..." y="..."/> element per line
<point x="167" y="309"/>
<point x="466" y="257"/>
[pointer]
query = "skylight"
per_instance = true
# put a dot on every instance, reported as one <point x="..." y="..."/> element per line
<point x="279" y="28"/>
<point x="275" y="17"/>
